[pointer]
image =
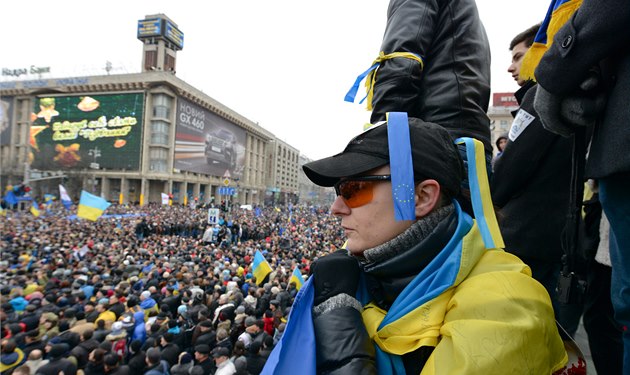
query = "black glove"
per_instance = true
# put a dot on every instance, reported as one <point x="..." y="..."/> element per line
<point x="587" y="105"/>
<point x="561" y="115"/>
<point x="334" y="274"/>
<point x="547" y="106"/>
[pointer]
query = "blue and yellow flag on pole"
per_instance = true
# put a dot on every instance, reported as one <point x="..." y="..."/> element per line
<point x="91" y="207"/>
<point x="260" y="268"/>
<point x="297" y="278"/>
<point x="35" y="209"/>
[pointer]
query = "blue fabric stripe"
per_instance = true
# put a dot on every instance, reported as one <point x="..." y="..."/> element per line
<point x="352" y="93"/>
<point x="401" y="165"/>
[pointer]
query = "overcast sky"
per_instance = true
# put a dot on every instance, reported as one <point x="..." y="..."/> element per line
<point x="285" y="64"/>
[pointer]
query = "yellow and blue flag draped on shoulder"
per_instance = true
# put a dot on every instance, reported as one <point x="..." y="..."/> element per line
<point x="464" y="304"/>
<point x="35" y="209"/>
<point x="91" y="207"/>
<point x="558" y="14"/>
<point x="260" y="267"/>
<point x="297" y="278"/>
<point x="401" y="165"/>
<point x="370" y="75"/>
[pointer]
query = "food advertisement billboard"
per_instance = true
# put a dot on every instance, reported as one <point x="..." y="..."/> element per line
<point x="207" y="143"/>
<point x="87" y="132"/>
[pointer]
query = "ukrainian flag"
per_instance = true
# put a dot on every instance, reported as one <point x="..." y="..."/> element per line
<point x="91" y="206"/>
<point x="260" y="268"/>
<point x="34" y="209"/>
<point x="296" y="278"/>
<point x="559" y="12"/>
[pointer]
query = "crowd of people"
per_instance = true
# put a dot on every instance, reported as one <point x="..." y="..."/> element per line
<point x="143" y="291"/>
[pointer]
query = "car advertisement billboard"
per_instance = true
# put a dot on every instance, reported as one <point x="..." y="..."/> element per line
<point x="207" y="143"/>
<point x="87" y="132"/>
<point x="6" y="111"/>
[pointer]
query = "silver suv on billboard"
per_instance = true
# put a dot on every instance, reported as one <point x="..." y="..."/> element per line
<point x="221" y="147"/>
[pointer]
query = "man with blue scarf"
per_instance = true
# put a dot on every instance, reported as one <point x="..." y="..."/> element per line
<point x="421" y="287"/>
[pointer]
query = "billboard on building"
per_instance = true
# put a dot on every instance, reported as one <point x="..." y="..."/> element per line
<point x="149" y="27"/>
<point x="6" y="112"/>
<point x="87" y="132"/>
<point x="504" y="99"/>
<point x="207" y="143"/>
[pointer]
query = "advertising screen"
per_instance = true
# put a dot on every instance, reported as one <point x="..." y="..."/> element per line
<point x="87" y="132"/>
<point x="6" y="111"/>
<point x="207" y="143"/>
<point x="173" y="34"/>
<point x="149" y="28"/>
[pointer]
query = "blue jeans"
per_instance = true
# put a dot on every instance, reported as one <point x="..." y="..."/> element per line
<point x="614" y="194"/>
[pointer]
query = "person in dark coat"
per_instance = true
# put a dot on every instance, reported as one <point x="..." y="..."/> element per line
<point x="30" y="318"/>
<point x="534" y="170"/>
<point x="184" y="364"/>
<point x="203" y="359"/>
<point x="113" y="366"/>
<point x="58" y="363"/>
<point x="155" y="364"/>
<point x="170" y="351"/>
<point x="207" y="335"/>
<point x="171" y="300"/>
<point x="82" y="351"/>
<point x="136" y="358"/>
<point x="453" y="95"/>
<point x="255" y="362"/>
<point x="596" y="37"/>
<point x="32" y="342"/>
<point x="96" y="364"/>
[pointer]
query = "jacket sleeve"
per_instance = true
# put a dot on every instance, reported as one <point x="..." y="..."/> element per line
<point x="595" y="31"/>
<point x="524" y="152"/>
<point x="410" y="28"/>
<point x="343" y="345"/>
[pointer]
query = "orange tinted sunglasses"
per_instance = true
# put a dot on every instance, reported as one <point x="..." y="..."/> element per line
<point x="357" y="191"/>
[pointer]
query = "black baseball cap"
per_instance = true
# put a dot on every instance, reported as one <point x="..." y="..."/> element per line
<point x="434" y="156"/>
<point x="220" y="351"/>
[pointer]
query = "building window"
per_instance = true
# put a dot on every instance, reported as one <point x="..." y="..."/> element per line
<point x="504" y="125"/>
<point x="158" y="159"/>
<point x="162" y="106"/>
<point x="159" y="132"/>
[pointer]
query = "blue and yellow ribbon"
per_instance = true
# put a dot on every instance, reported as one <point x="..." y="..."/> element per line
<point x="480" y="193"/>
<point x="370" y="75"/>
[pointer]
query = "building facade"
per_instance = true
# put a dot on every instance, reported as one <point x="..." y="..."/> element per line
<point x="130" y="138"/>
<point x="134" y="137"/>
<point x="500" y="113"/>
<point x="282" y="173"/>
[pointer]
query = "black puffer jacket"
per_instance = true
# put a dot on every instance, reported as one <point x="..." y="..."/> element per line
<point x="453" y="90"/>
